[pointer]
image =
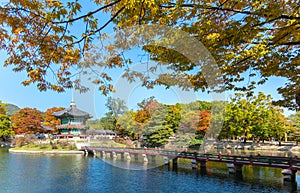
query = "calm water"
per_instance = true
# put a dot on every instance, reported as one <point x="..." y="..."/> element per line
<point x="77" y="173"/>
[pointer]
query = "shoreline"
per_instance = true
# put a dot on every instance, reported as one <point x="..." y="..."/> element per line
<point x="45" y="152"/>
<point x="250" y="146"/>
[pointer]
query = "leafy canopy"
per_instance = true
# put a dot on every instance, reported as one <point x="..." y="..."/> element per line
<point x="5" y="123"/>
<point x="3" y="108"/>
<point x="51" y="121"/>
<point x="257" y="38"/>
<point x="5" y="127"/>
<point x="27" y="121"/>
<point x="253" y="116"/>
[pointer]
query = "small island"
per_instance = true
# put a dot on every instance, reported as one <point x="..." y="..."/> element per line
<point x="70" y="136"/>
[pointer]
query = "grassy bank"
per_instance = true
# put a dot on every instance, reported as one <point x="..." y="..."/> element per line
<point x="46" y="147"/>
<point x="63" y="145"/>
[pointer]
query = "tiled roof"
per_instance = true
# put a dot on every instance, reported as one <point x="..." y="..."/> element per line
<point x="72" y="111"/>
<point x="46" y="128"/>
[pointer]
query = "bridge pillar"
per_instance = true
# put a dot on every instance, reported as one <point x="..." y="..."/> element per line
<point x="136" y="157"/>
<point x="113" y="155"/>
<point x="175" y="163"/>
<point x="235" y="168"/>
<point x="153" y="159"/>
<point x="86" y="152"/>
<point x="238" y="168"/>
<point x="231" y="169"/>
<point x="289" y="175"/>
<point x="94" y="153"/>
<point x="103" y="154"/>
<point x="145" y="158"/>
<point x="194" y="163"/>
<point x="202" y="164"/>
<point x="127" y="155"/>
<point x="166" y="160"/>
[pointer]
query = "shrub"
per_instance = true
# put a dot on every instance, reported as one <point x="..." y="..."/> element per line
<point x="20" y="141"/>
<point x="71" y="146"/>
<point x="64" y="145"/>
<point x="53" y="145"/>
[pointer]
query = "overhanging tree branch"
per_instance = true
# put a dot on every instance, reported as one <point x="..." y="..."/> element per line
<point x="88" y="14"/>
<point x="99" y="29"/>
<point x="173" y="5"/>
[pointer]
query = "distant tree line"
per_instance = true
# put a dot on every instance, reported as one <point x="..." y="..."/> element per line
<point x="245" y="115"/>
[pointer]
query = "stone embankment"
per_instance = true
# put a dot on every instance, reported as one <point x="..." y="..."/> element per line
<point x="45" y="152"/>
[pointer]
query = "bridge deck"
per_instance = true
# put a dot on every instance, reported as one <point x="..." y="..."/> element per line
<point x="292" y="163"/>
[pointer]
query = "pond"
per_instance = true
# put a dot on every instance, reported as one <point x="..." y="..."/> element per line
<point x="78" y="173"/>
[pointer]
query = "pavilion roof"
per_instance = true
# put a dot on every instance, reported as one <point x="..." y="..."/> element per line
<point x="72" y="111"/>
<point x="47" y="128"/>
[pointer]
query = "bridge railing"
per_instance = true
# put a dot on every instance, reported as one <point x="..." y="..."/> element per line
<point x="273" y="161"/>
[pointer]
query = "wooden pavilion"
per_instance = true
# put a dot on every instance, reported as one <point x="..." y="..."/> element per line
<point x="73" y="122"/>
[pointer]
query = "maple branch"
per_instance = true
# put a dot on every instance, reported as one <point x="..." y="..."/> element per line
<point x="88" y="14"/>
<point x="280" y="38"/>
<point x="99" y="29"/>
<point x="84" y="42"/>
<point x="265" y="22"/>
<point x="243" y="60"/>
<point x="288" y="43"/>
<point x="172" y="5"/>
<point x="15" y="9"/>
<point x="250" y="13"/>
<point x="295" y="43"/>
<point x="65" y="21"/>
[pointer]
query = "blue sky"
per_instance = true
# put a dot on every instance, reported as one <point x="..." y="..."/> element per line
<point x="12" y="91"/>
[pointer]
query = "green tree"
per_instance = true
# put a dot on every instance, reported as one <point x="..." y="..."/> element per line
<point x="3" y="110"/>
<point x="5" y="123"/>
<point x="157" y="130"/>
<point x="128" y="126"/>
<point x="116" y="107"/>
<point x="108" y="122"/>
<point x="258" y="36"/>
<point x="5" y="127"/>
<point x="173" y="117"/>
<point x="94" y="124"/>
<point x="295" y="119"/>
<point x="253" y="116"/>
<point x="279" y="125"/>
<point x="295" y="125"/>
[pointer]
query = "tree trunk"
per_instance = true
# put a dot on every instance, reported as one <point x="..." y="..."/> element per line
<point x="245" y="138"/>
